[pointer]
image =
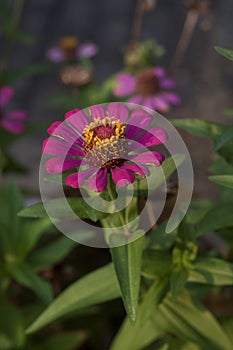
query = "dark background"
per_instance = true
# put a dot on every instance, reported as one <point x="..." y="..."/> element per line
<point x="204" y="78"/>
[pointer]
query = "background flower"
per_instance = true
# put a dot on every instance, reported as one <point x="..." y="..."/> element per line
<point x="12" y="121"/>
<point x="150" y="88"/>
<point x="69" y="49"/>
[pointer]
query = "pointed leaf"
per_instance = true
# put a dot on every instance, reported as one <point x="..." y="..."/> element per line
<point x="127" y="260"/>
<point x="51" y="254"/>
<point x="220" y="216"/>
<point x="192" y="322"/>
<point x="223" y="180"/>
<point x="226" y="136"/>
<point x="200" y="127"/>
<point x="224" y="52"/>
<point x="27" y="277"/>
<point x="58" y="209"/>
<point x="212" y="271"/>
<point x="96" y="287"/>
<point x="137" y="336"/>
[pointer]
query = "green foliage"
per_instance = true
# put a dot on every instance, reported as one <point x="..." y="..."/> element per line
<point x="127" y="262"/>
<point x="97" y="287"/>
<point x="223" y="180"/>
<point x="224" y="52"/>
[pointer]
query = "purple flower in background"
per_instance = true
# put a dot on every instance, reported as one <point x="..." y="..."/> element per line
<point x="101" y="143"/>
<point x="69" y="49"/>
<point x="150" y="88"/>
<point x="12" y="121"/>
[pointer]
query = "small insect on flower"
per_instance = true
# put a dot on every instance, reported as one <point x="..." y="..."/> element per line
<point x="12" y="121"/>
<point x="150" y="88"/>
<point x="105" y="140"/>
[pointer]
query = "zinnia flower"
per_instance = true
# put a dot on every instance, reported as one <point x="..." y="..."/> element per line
<point x="13" y="121"/>
<point x="107" y="140"/>
<point x="69" y="49"/>
<point x="149" y="88"/>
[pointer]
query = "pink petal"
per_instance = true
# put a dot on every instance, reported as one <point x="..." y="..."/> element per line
<point x="137" y="99"/>
<point x="159" y="72"/>
<point x="99" y="181"/>
<point x="138" y="169"/>
<point x="167" y="83"/>
<point x="87" y="50"/>
<point x="56" y="147"/>
<point x="124" y="85"/>
<point x="78" y="179"/>
<point x="55" y="54"/>
<point x="172" y="98"/>
<point x="58" y="165"/>
<point x="140" y="118"/>
<point x="97" y="112"/>
<point x="118" y="111"/>
<point x="78" y="119"/>
<point x="154" y="158"/>
<point x="161" y="104"/>
<point x="15" y="115"/>
<point x="149" y="102"/>
<point x="12" y="126"/>
<point x="122" y="177"/>
<point x="154" y="136"/>
<point x="6" y="93"/>
<point x="132" y="131"/>
<point x="64" y="131"/>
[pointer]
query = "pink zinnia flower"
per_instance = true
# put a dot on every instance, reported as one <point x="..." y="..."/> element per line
<point x="70" y="49"/>
<point x="13" y="121"/>
<point x="102" y="142"/>
<point x="149" y="88"/>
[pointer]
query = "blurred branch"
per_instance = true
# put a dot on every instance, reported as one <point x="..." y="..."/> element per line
<point x="141" y="7"/>
<point x="185" y="38"/>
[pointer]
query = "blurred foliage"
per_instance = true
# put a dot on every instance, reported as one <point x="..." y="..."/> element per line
<point x="164" y="280"/>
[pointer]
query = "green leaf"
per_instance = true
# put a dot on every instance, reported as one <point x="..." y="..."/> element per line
<point x="178" y="281"/>
<point x="158" y="175"/>
<point x="226" y="136"/>
<point x="138" y="336"/>
<point x="212" y="271"/>
<point x="224" y="52"/>
<point x="51" y="254"/>
<point x="30" y="233"/>
<point x="192" y="322"/>
<point x="200" y="127"/>
<point x="220" y="216"/>
<point x="156" y="263"/>
<point x="127" y="260"/>
<point x="62" y="208"/>
<point x="63" y="341"/>
<point x="11" y="325"/>
<point x="24" y="275"/>
<point x="153" y="297"/>
<point x="223" y="180"/>
<point x="96" y="287"/>
<point x="158" y="239"/>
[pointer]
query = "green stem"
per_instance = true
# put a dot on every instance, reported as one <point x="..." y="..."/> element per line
<point x="119" y="213"/>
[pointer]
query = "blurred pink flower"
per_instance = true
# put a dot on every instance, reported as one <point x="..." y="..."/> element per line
<point x="70" y="49"/>
<point x="12" y="121"/>
<point x="102" y="143"/>
<point x="149" y="88"/>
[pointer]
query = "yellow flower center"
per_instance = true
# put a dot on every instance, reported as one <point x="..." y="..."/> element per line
<point x="104" y="142"/>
